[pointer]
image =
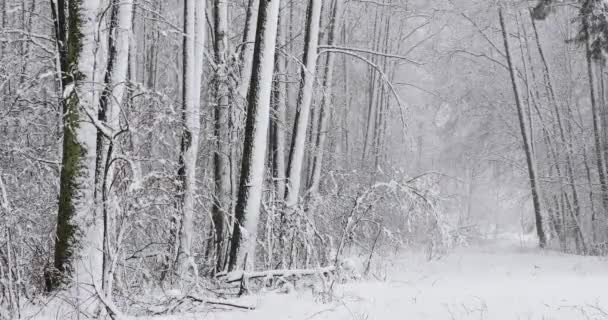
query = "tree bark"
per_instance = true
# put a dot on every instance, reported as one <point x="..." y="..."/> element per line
<point x="246" y="55"/>
<point x="372" y="103"/>
<point x="298" y="142"/>
<point x="221" y="158"/>
<point x="78" y="244"/>
<point x="243" y="242"/>
<point x="109" y="112"/>
<point x="193" y="48"/>
<point x="601" y="169"/>
<point x="280" y="116"/>
<point x="526" y="145"/>
<point x="326" y="101"/>
<point x="562" y="133"/>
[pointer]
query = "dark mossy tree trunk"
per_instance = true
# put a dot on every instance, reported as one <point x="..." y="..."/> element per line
<point x="526" y="144"/>
<point x="77" y="247"/>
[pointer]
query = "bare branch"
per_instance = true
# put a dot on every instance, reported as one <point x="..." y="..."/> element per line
<point x="388" y="55"/>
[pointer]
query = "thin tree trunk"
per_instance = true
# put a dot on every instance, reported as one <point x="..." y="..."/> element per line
<point x="279" y="119"/>
<point x="246" y="55"/>
<point x="347" y="102"/>
<point x="384" y="101"/>
<point x="562" y="134"/>
<point x="530" y="162"/>
<point x="109" y="112"/>
<point x="563" y="138"/>
<point x="292" y="66"/>
<point x="596" y="126"/>
<point x="326" y="102"/>
<point x="3" y="25"/>
<point x="594" y="232"/>
<point x="372" y="93"/>
<point x="296" y="154"/>
<point x="221" y="158"/>
<point x="604" y="115"/>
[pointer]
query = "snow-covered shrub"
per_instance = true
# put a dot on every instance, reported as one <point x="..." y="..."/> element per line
<point x="355" y="221"/>
<point x="397" y="212"/>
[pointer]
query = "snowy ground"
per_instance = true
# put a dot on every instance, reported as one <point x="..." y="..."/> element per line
<point x="502" y="280"/>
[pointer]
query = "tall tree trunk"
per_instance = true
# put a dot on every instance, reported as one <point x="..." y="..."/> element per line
<point x="3" y="24"/>
<point x="347" y="102"/>
<point x="243" y="242"/>
<point x="384" y="101"/>
<point x="78" y="244"/>
<point x="326" y="101"/>
<point x="136" y="139"/>
<point x="280" y="116"/>
<point x="526" y="145"/>
<point x="193" y="48"/>
<point x="246" y="55"/>
<point x="292" y="67"/>
<point x="372" y="91"/>
<point x="593" y="217"/>
<point x="601" y="169"/>
<point x="109" y="112"/>
<point x="221" y="158"/>
<point x="298" y="142"/>
<point x="237" y="115"/>
<point x="562" y="133"/>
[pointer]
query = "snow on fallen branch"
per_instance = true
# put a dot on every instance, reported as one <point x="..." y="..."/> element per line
<point x="236" y="276"/>
<point x="225" y="303"/>
<point x="174" y="303"/>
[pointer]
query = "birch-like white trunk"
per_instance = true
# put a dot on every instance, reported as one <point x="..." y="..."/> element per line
<point x="243" y="244"/>
<point x="278" y="138"/>
<point x="326" y="102"/>
<point x="111" y="100"/>
<point x="298" y="143"/>
<point x="121" y="64"/>
<point x="194" y="39"/>
<point x="89" y="267"/>
<point x="221" y="158"/>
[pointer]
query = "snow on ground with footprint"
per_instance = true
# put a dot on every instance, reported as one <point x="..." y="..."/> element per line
<point x="502" y="280"/>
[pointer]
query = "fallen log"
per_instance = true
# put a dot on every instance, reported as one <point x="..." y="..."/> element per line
<point x="236" y="276"/>
<point x="225" y="303"/>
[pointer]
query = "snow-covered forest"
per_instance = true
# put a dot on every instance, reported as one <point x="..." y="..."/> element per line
<point x="303" y="159"/>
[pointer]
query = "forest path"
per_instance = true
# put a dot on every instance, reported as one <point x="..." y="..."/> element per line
<point x="503" y="279"/>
